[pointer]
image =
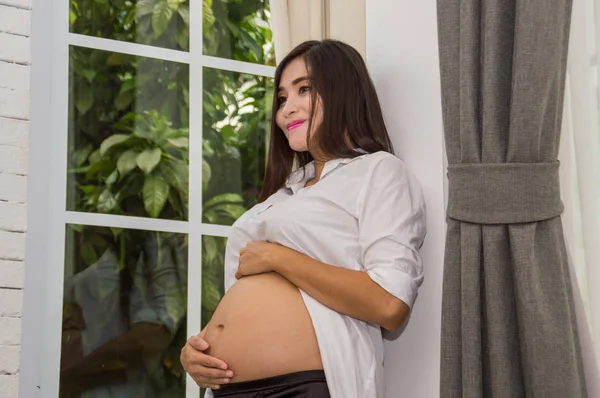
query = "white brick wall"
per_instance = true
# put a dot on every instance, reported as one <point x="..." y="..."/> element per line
<point x="14" y="130"/>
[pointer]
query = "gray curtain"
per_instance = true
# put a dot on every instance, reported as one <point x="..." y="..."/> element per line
<point x="508" y="324"/>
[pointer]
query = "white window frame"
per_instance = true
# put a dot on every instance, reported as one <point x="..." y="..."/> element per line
<point x="47" y="185"/>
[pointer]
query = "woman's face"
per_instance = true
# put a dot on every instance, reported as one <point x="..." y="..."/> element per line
<point x="294" y="105"/>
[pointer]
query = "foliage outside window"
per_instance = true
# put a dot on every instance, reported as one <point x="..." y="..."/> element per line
<point x="129" y="152"/>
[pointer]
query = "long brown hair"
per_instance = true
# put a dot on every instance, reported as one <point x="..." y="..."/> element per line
<point x="352" y="115"/>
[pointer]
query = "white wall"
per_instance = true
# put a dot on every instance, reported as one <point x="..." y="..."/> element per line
<point x="14" y="129"/>
<point x="402" y="55"/>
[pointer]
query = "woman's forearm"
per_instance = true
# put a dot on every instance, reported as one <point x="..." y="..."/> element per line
<point x="349" y="292"/>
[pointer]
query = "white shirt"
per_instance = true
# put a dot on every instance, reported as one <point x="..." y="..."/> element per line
<point x="365" y="214"/>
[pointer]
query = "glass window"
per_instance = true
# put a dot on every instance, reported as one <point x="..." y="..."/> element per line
<point x="235" y="126"/>
<point x="161" y="23"/>
<point x="124" y="313"/>
<point x="127" y="308"/>
<point x="213" y="283"/>
<point x="238" y="30"/>
<point x="128" y="135"/>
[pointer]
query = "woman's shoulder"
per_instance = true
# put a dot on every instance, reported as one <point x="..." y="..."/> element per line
<point x="387" y="170"/>
<point x="383" y="157"/>
<point x="384" y="164"/>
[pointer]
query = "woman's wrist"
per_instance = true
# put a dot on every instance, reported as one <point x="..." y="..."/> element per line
<point x="279" y="257"/>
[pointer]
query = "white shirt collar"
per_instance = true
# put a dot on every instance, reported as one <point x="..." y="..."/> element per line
<point x="298" y="178"/>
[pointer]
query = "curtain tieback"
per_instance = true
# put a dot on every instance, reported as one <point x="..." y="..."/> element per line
<point x="504" y="193"/>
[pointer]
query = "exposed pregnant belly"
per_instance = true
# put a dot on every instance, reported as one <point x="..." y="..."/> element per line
<point x="262" y="328"/>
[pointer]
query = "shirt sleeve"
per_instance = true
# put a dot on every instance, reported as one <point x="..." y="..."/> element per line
<point x="235" y="243"/>
<point x="242" y="231"/>
<point x="392" y="225"/>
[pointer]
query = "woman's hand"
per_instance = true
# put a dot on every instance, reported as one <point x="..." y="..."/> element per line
<point x="207" y="371"/>
<point x="258" y="258"/>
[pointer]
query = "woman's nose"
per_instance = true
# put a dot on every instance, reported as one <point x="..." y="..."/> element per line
<point x="289" y="108"/>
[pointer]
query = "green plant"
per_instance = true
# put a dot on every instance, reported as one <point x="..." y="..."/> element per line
<point x="161" y="23"/>
<point x="129" y="133"/>
<point x="146" y="161"/>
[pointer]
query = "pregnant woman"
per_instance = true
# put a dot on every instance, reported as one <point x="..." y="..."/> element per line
<point x="328" y="257"/>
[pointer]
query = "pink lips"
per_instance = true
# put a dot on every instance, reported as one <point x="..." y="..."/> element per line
<point x="295" y="124"/>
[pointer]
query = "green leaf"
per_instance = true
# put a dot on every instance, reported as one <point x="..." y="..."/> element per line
<point x="72" y="16"/>
<point x="144" y="7"/>
<point x="127" y="162"/>
<point x="76" y="170"/>
<point x="89" y="74"/>
<point x="155" y="193"/>
<point x="208" y="17"/>
<point x="112" y="178"/>
<point x="149" y="159"/>
<point x="227" y="132"/>
<point x="88" y="254"/>
<point x="77" y="227"/>
<point x="123" y="100"/>
<point x="126" y="122"/>
<point x="174" y="4"/>
<point x="184" y="12"/>
<point x="181" y="142"/>
<point x="103" y="167"/>
<point x="207" y="149"/>
<point x="119" y="59"/>
<point x="211" y="249"/>
<point x="127" y="85"/>
<point x="176" y="133"/>
<point x="175" y="303"/>
<point x="224" y="198"/>
<point x="210" y="296"/>
<point x="175" y="201"/>
<point x="177" y="174"/>
<point x="84" y="99"/>
<point x="81" y="155"/>
<point x="95" y="156"/>
<point x="206" y="174"/>
<point x="232" y="211"/>
<point x="183" y="39"/>
<point x="132" y="187"/>
<point x="129" y="18"/>
<point x="143" y="27"/>
<point x="111" y="141"/>
<point x="116" y="232"/>
<point x="88" y="189"/>
<point x="161" y="16"/>
<point x="106" y="201"/>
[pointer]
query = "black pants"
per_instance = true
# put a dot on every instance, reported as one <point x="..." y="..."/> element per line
<point x="308" y="384"/>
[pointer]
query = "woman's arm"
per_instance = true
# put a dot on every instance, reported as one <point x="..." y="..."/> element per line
<point x="349" y="292"/>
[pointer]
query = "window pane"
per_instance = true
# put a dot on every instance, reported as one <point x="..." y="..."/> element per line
<point x="124" y="313"/>
<point x="213" y="283"/>
<point x="128" y="135"/>
<point x="161" y="23"/>
<point x="213" y="279"/>
<point x="236" y="120"/>
<point x="238" y="30"/>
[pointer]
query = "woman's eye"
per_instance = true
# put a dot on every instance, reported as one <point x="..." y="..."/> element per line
<point x="281" y="100"/>
<point x="304" y="89"/>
